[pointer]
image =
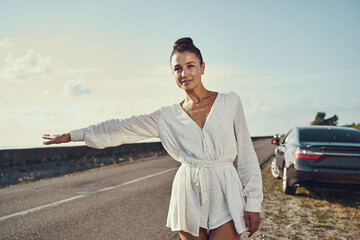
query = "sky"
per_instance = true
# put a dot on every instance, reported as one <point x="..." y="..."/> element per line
<point x="69" y="64"/>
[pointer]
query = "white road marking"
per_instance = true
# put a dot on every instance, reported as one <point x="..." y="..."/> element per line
<point x="81" y="196"/>
<point x="39" y="208"/>
<point x="136" y="180"/>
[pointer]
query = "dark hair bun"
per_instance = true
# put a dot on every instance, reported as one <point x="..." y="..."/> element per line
<point x="186" y="45"/>
<point x="185" y="40"/>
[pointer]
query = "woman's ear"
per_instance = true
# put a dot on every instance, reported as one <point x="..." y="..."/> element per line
<point x="202" y="67"/>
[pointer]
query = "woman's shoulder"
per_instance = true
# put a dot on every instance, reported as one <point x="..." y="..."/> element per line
<point x="168" y="108"/>
<point x="228" y="93"/>
<point x="230" y="96"/>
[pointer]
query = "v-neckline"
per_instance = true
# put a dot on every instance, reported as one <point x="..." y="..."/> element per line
<point x="208" y="116"/>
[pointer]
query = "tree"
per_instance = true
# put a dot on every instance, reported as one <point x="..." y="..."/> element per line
<point x="353" y="125"/>
<point x="320" y="119"/>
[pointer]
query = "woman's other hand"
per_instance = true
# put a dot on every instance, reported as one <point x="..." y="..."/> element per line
<point x="252" y="220"/>
<point x="56" y="138"/>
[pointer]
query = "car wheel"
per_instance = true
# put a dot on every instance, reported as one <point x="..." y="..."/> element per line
<point x="285" y="185"/>
<point x="274" y="169"/>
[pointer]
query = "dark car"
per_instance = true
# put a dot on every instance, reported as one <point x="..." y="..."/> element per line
<point x="318" y="156"/>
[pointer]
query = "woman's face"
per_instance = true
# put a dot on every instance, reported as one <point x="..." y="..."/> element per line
<point x="187" y="70"/>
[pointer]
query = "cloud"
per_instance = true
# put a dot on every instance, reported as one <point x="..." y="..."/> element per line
<point x="86" y="70"/>
<point x="75" y="88"/>
<point x="30" y="65"/>
<point x="5" y="43"/>
<point x="71" y="88"/>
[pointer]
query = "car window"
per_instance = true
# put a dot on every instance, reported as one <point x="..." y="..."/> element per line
<point x="345" y="136"/>
<point x="292" y="136"/>
<point x="288" y="137"/>
<point x="333" y="135"/>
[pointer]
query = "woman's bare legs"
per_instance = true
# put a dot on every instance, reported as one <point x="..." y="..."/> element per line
<point x="187" y="236"/>
<point x="226" y="231"/>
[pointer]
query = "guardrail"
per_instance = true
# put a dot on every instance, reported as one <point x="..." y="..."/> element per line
<point x="48" y="154"/>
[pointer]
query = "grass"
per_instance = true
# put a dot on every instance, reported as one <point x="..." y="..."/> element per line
<point x="280" y="215"/>
<point x="305" y="220"/>
<point x="296" y="236"/>
<point x="325" y="226"/>
<point x="321" y="216"/>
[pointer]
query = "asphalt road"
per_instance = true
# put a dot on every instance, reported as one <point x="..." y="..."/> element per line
<point x="126" y="202"/>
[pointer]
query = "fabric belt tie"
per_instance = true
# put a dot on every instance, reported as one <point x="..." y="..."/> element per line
<point x="200" y="177"/>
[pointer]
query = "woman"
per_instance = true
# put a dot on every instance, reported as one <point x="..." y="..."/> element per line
<point x="206" y="132"/>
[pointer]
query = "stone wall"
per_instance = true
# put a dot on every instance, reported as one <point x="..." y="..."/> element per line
<point x="22" y="165"/>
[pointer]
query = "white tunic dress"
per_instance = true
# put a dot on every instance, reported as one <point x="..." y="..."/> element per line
<point x="207" y="190"/>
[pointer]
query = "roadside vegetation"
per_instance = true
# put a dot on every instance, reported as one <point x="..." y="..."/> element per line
<point x="332" y="121"/>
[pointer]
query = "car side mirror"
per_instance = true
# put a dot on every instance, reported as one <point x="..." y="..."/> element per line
<point x="275" y="141"/>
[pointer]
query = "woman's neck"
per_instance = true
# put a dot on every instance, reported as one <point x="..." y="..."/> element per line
<point x="195" y="95"/>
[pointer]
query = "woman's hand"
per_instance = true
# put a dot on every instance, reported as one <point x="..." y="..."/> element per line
<point x="252" y="220"/>
<point x="57" y="138"/>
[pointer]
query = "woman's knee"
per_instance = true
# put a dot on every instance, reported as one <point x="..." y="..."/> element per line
<point x="187" y="236"/>
<point x="227" y="231"/>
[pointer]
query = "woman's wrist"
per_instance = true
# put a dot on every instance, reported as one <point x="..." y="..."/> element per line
<point x="77" y="135"/>
<point x="67" y="137"/>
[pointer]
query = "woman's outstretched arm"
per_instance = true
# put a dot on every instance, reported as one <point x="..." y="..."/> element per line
<point x="113" y="132"/>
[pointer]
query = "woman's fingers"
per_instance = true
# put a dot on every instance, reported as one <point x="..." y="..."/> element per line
<point x="48" y="143"/>
<point x="252" y="222"/>
<point x="52" y="138"/>
<point x="247" y="221"/>
<point x="47" y="136"/>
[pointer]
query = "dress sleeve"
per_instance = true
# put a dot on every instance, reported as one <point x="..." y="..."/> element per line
<point x="247" y="162"/>
<point x="115" y="132"/>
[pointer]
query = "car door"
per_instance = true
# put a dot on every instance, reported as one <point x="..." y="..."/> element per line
<point x="283" y="149"/>
<point x="289" y="148"/>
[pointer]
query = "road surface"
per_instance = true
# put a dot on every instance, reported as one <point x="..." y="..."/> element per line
<point x="126" y="202"/>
